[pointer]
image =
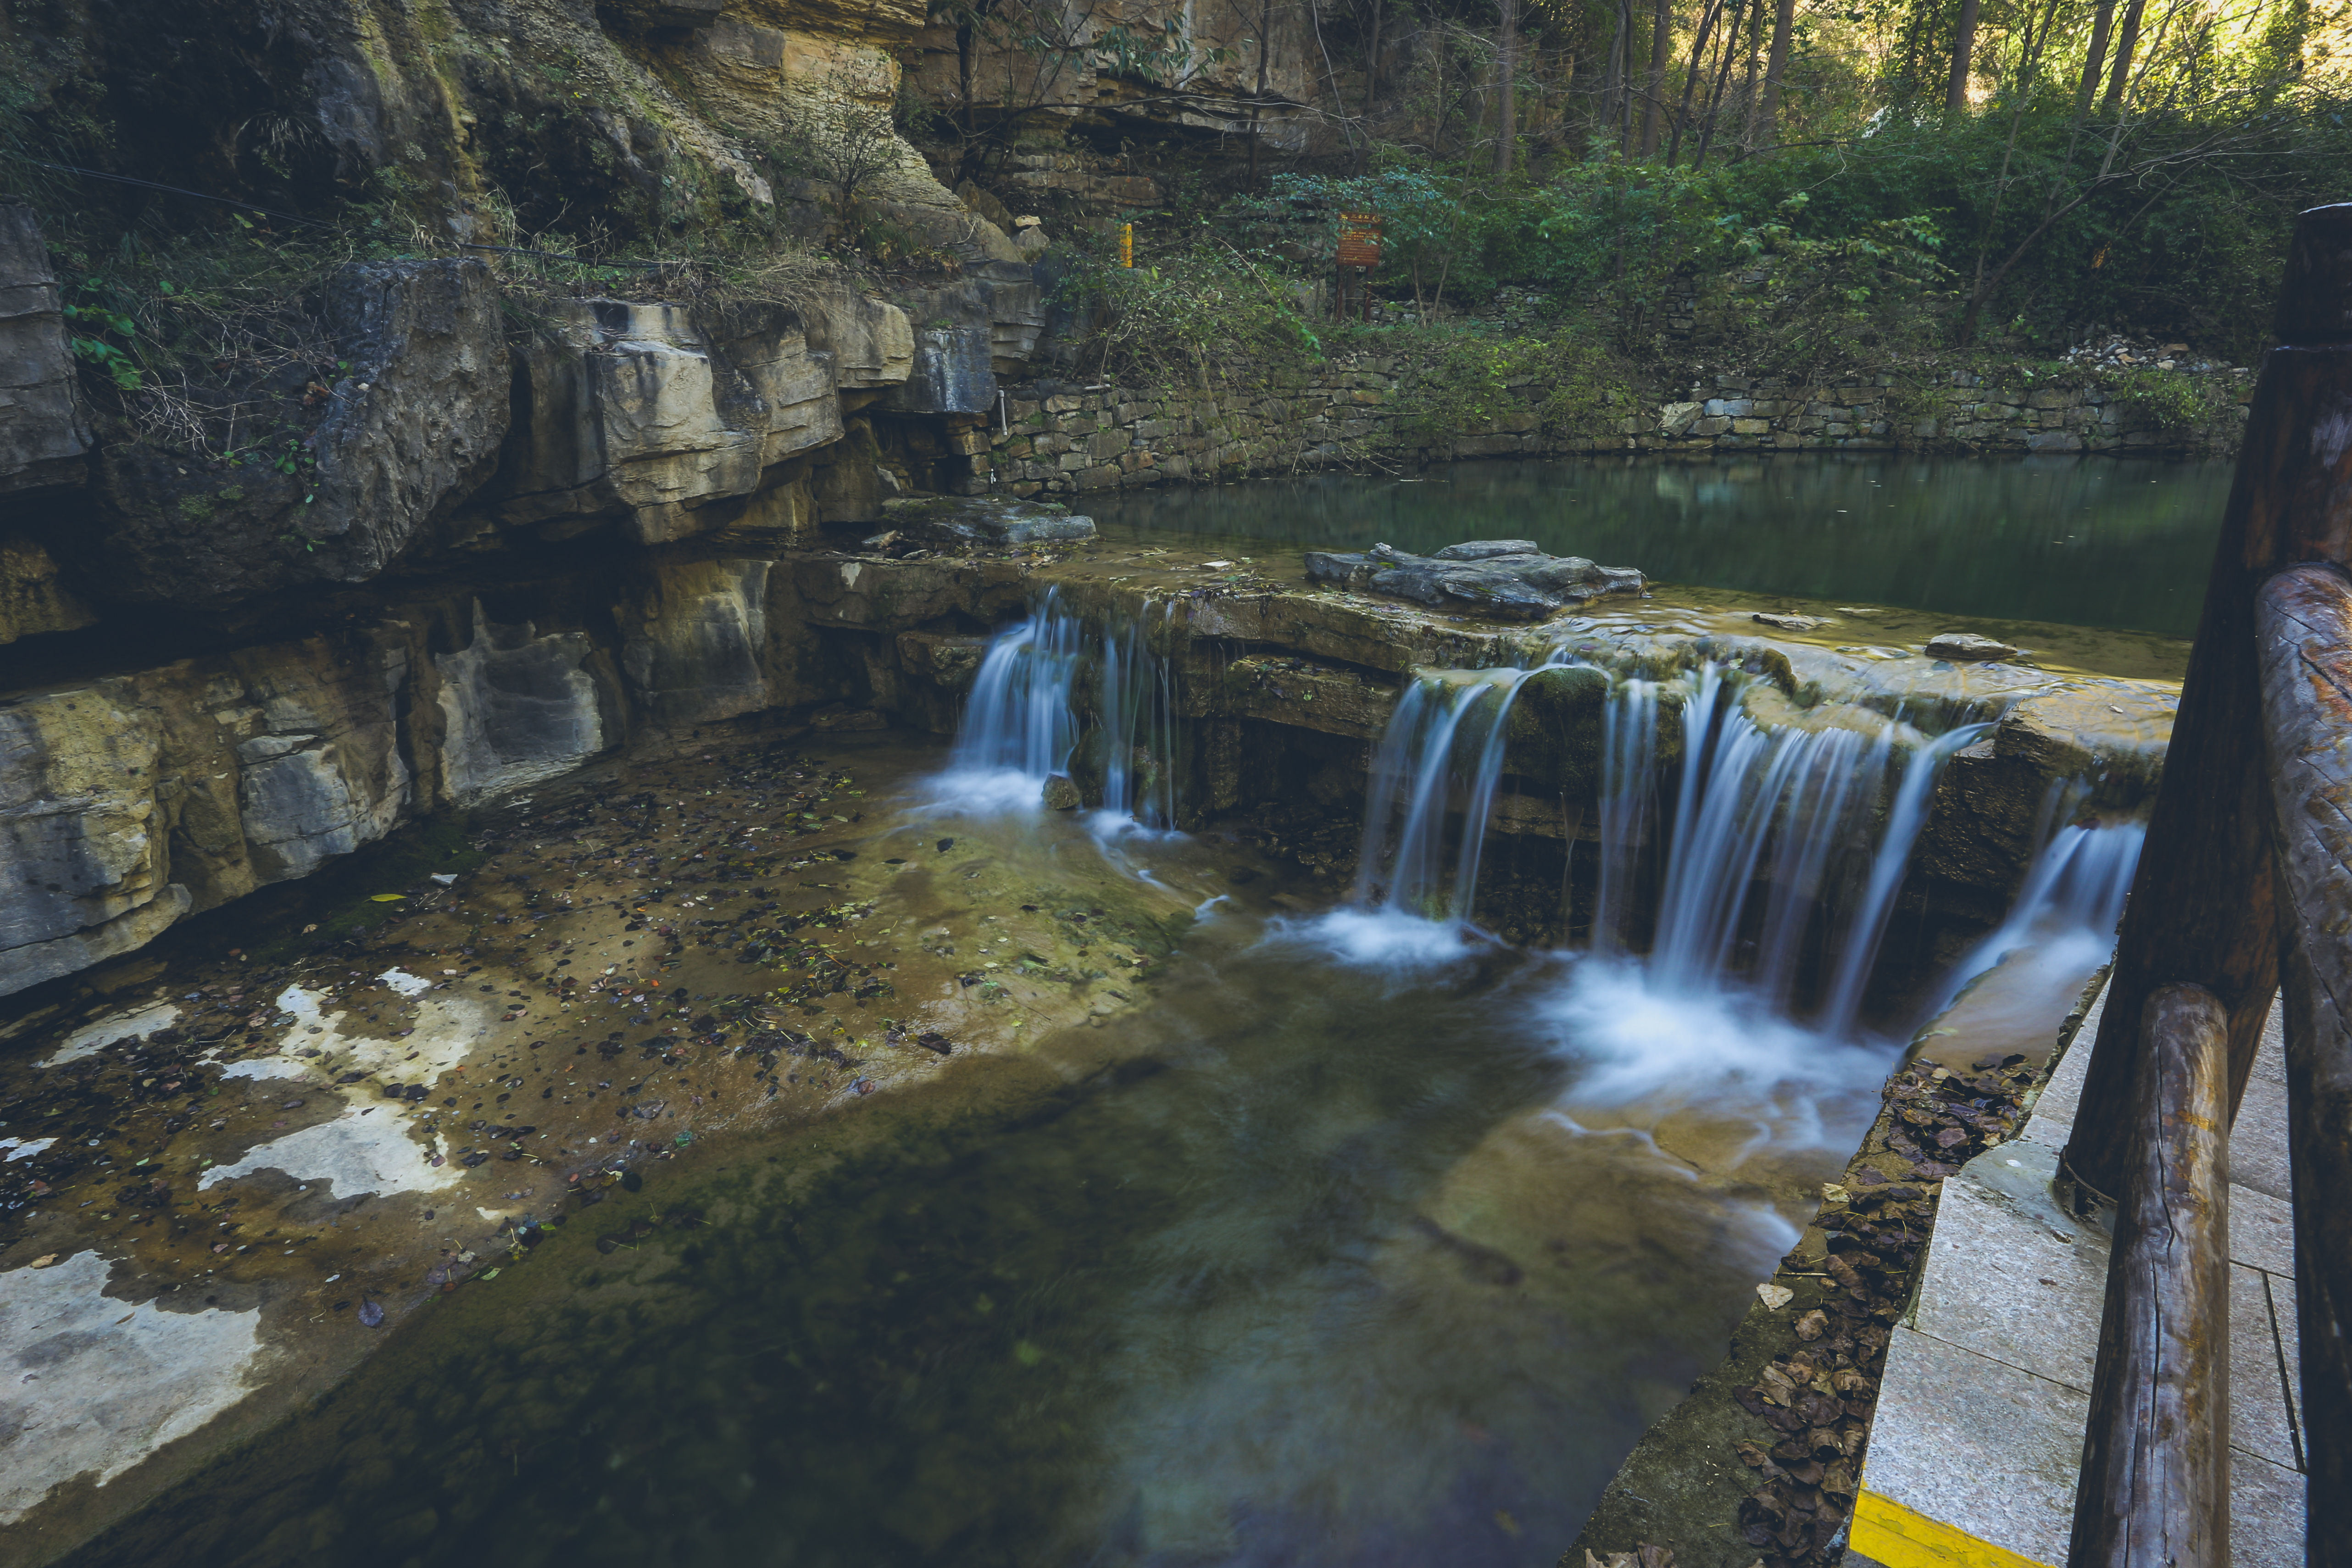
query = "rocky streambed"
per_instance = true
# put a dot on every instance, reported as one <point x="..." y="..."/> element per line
<point x="481" y="1066"/>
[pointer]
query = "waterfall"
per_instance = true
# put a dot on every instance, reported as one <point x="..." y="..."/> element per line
<point x="1136" y="701"/>
<point x="2071" y="901"/>
<point x="1794" y="813"/>
<point x="1415" y="776"/>
<point x="1629" y="757"/>
<point x="1019" y="726"/>
<point x="1026" y="720"/>
<point x="1909" y="814"/>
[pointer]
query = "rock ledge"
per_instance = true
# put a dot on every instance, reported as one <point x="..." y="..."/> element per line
<point x="1507" y="577"/>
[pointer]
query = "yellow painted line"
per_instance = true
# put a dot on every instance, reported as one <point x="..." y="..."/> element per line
<point x="1886" y="1529"/>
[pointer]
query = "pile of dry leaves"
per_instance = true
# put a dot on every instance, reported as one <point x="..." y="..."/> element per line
<point x="1819" y="1398"/>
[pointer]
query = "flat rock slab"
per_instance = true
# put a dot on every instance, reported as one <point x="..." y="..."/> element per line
<point x="1512" y="578"/>
<point x="983" y="520"/>
<point x="1966" y="648"/>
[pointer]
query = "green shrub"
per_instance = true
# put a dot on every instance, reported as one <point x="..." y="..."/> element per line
<point x="2168" y="401"/>
<point x="1196" y="307"/>
<point x="1467" y="383"/>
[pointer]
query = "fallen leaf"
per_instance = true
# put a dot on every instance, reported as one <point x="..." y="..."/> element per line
<point x="1775" y="1296"/>
<point x="1813" y="1325"/>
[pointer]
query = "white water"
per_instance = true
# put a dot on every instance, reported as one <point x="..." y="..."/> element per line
<point x="1778" y="853"/>
<point x="1026" y="720"/>
<point x="1819" y="824"/>
<point x="1416" y="776"/>
<point x="2064" y="917"/>
<point x="1136" y="704"/>
<point x="1018" y="726"/>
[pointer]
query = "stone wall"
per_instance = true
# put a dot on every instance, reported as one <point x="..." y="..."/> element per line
<point x="1056" y="439"/>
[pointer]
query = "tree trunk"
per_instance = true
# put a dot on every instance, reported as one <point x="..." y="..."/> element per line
<point x="2127" y="40"/>
<point x="1507" y="66"/>
<point x="1964" y="44"/>
<point x="1264" y="61"/>
<point x="1625" y="84"/>
<point x="2103" y="22"/>
<point x="1722" y="79"/>
<point x="1373" y="65"/>
<point x="1612" y="81"/>
<point x="1662" y="34"/>
<point x="1748" y="87"/>
<point x="1690" y="77"/>
<point x="1776" y="66"/>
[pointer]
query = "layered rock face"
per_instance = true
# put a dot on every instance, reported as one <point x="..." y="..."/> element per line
<point x="494" y="560"/>
<point x="44" y="436"/>
<point x="517" y="533"/>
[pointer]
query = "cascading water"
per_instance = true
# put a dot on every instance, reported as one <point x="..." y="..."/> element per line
<point x="1414" y="777"/>
<point x="1629" y="752"/>
<point x="1792" y="810"/>
<point x="1026" y="720"/>
<point x="1136" y="702"/>
<point x="2066" y="910"/>
<point x="1019" y="725"/>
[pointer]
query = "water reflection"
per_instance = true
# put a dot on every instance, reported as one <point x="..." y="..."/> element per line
<point x="2117" y="542"/>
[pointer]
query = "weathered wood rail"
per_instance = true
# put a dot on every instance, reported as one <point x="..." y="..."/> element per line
<point x="2247" y="872"/>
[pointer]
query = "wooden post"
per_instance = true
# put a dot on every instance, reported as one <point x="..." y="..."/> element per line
<point x="2306" y="648"/>
<point x="2203" y="909"/>
<point x="2155" y="1488"/>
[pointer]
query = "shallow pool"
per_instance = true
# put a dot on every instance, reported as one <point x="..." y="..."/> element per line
<point x="1367" y="1242"/>
<point x="2095" y="542"/>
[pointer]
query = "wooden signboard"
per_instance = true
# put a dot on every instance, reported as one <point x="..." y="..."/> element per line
<point x="1359" y="240"/>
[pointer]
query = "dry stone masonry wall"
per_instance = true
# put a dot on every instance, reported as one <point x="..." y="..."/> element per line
<point x="1056" y="439"/>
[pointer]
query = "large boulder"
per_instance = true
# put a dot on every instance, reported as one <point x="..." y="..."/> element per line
<point x="410" y="428"/>
<point x="1511" y="578"/>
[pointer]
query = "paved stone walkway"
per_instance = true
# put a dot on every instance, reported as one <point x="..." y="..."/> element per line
<point x="1979" y="1435"/>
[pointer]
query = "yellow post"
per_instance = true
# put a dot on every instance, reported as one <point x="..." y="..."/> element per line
<point x="1127" y="245"/>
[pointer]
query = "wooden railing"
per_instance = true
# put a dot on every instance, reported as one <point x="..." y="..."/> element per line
<point x="2247" y="871"/>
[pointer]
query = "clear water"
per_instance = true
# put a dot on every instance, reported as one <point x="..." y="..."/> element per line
<point x="1366" y="1243"/>
<point x="2122" y="544"/>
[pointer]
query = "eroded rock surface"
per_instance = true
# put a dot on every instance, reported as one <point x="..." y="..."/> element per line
<point x="412" y="427"/>
<point x="1509" y="577"/>
<point x="635" y="411"/>
<point x="44" y="436"/>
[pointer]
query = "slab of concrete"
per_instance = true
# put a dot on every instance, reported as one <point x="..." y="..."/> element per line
<point x="1979" y="1438"/>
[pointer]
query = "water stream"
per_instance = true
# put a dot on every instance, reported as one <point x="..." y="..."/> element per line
<point x="1052" y="684"/>
<point x="2064" y="917"/>
<point x="1419" y="782"/>
<point x="1361" y="1238"/>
